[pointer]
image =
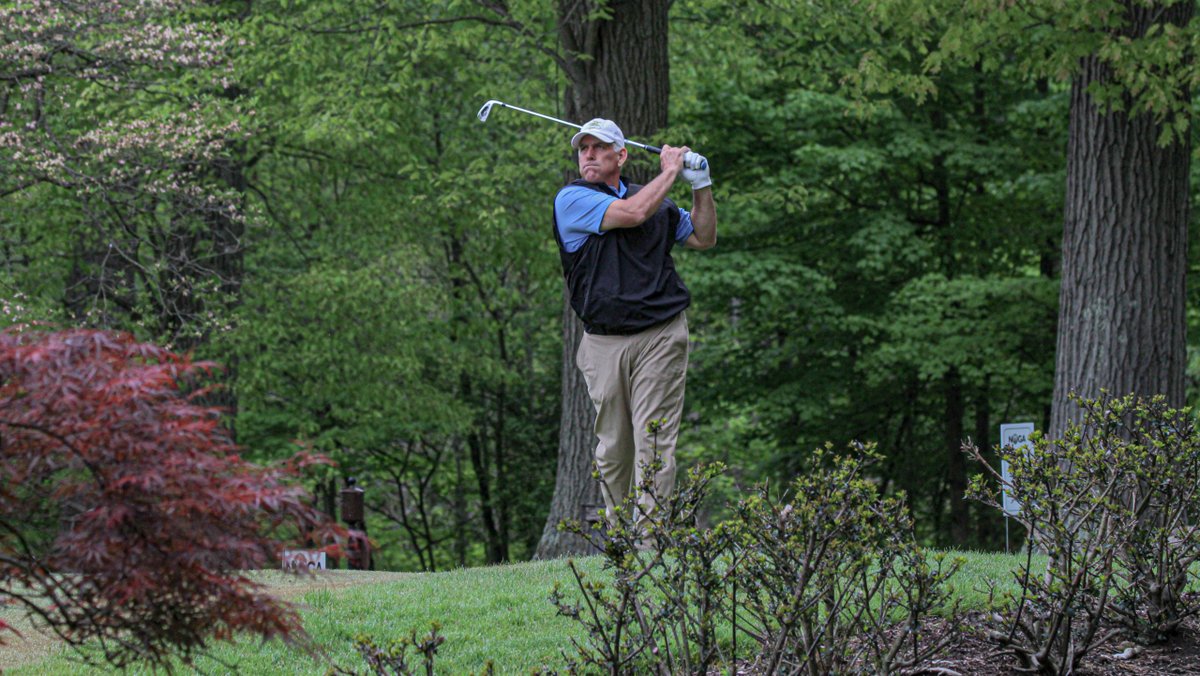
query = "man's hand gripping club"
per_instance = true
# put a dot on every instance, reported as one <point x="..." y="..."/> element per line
<point x="695" y="171"/>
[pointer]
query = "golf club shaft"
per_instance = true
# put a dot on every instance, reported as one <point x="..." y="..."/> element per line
<point x="535" y="114"/>
<point x="654" y="149"/>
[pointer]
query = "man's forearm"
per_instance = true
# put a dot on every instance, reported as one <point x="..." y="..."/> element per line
<point x="704" y="217"/>
<point x="635" y="210"/>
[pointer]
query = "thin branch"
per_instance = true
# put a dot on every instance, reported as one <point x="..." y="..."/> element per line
<point x="91" y="467"/>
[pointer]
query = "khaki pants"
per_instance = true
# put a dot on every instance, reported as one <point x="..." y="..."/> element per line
<point x="633" y="380"/>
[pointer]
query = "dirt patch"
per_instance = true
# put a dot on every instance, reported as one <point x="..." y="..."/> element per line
<point x="35" y="645"/>
<point x="972" y="654"/>
<point x="976" y="655"/>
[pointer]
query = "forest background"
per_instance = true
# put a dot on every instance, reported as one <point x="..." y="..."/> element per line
<point x="301" y="191"/>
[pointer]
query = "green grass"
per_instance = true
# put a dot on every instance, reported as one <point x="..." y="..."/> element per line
<point x="971" y="583"/>
<point x="499" y="613"/>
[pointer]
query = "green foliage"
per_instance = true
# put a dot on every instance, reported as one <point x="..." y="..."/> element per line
<point x="119" y="145"/>
<point x="375" y="266"/>
<point x="343" y="358"/>
<point x="1147" y="73"/>
<point x="985" y="329"/>
<point x="1055" y="621"/>
<point x="831" y="569"/>
<point x="829" y="580"/>
<point x="669" y="589"/>
<point x="1157" y="452"/>
<point x="393" y="660"/>
<point x="879" y="260"/>
<point x="1113" y="505"/>
<point x="400" y="294"/>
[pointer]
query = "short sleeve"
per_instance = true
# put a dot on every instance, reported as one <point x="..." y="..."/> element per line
<point x="685" y="227"/>
<point x="579" y="212"/>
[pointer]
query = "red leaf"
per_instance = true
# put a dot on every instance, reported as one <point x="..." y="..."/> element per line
<point x="153" y="506"/>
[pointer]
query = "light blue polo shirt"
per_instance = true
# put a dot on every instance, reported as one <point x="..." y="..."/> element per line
<point x="579" y="212"/>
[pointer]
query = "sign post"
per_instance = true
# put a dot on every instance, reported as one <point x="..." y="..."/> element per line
<point x="1015" y="436"/>
<point x="359" y="554"/>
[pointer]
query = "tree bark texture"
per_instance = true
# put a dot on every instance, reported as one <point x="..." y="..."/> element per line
<point x="575" y="491"/>
<point x="1122" y="325"/>
<point x="616" y="68"/>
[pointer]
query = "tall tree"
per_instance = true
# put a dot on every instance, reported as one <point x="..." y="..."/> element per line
<point x="1122" y="307"/>
<point x="114" y="115"/>
<point x="1122" y="321"/>
<point x="614" y="55"/>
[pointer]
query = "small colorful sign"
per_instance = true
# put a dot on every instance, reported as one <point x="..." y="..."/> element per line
<point x="303" y="559"/>
<point x="1016" y="436"/>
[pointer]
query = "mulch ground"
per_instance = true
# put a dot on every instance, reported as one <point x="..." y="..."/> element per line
<point x="975" y="655"/>
<point x="972" y="654"/>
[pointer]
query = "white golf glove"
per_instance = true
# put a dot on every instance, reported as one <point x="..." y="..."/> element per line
<point x="693" y="173"/>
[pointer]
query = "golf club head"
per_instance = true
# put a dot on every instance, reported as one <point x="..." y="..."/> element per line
<point x="487" y="110"/>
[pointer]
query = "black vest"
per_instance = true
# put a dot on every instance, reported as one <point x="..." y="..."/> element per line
<point x="624" y="281"/>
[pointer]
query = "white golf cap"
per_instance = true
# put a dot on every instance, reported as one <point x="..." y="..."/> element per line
<point x="605" y="130"/>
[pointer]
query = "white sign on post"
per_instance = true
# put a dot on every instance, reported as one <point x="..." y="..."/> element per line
<point x="1017" y="436"/>
<point x="303" y="559"/>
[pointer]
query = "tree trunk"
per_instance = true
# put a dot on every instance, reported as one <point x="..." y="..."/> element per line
<point x="956" y="466"/>
<point x="985" y="518"/>
<point x="229" y="265"/>
<point x="617" y="68"/>
<point x="1122" y="325"/>
<point x="575" y="492"/>
<point x="459" y="509"/>
<point x="494" y="547"/>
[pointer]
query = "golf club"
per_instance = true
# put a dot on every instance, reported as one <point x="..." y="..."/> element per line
<point x="691" y="160"/>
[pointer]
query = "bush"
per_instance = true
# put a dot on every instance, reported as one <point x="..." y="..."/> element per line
<point x="393" y="660"/>
<point x="1056" y="620"/>
<point x="830" y="573"/>
<point x="126" y="515"/>
<point x="1114" y="505"/>
<point x="828" y="581"/>
<point x="1157" y="449"/>
<point x="670" y="584"/>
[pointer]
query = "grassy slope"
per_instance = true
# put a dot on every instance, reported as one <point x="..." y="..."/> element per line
<point x="498" y="613"/>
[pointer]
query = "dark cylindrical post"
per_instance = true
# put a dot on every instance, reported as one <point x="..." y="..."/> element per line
<point x="352" y="504"/>
<point x="359" y="547"/>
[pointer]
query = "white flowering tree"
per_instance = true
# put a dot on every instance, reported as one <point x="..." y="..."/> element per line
<point x="119" y="192"/>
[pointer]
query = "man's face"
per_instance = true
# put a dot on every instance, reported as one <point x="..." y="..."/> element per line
<point x="599" y="162"/>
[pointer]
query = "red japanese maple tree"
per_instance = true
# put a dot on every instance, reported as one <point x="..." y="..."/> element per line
<point x="127" y="518"/>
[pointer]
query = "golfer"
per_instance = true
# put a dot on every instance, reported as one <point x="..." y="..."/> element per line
<point x="615" y="240"/>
